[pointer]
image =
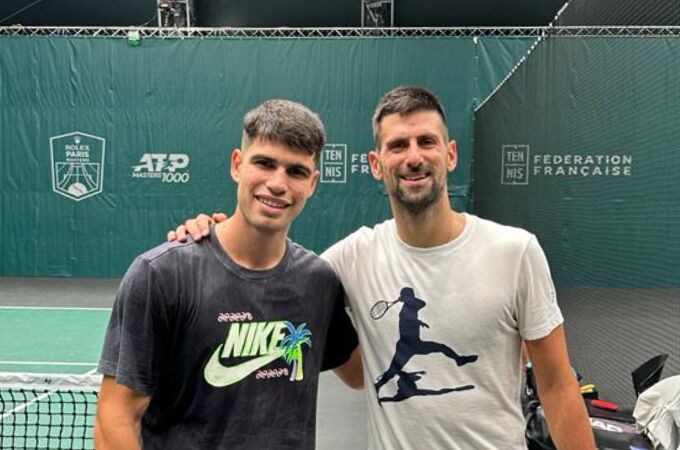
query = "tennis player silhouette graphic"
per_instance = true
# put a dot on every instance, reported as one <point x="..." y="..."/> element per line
<point x="409" y="345"/>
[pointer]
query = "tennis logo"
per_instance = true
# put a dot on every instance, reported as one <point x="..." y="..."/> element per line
<point x="515" y="164"/>
<point x="166" y="167"/>
<point x="333" y="163"/>
<point x="518" y="164"/>
<point x="336" y="164"/>
<point x="77" y="162"/>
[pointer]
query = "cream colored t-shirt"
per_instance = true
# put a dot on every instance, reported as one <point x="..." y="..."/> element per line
<point x="478" y="295"/>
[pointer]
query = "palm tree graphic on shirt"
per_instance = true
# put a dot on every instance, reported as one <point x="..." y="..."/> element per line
<point x="292" y="348"/>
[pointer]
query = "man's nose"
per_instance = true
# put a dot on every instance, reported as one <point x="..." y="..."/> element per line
<point x="413" y="156"/>
<point x="276" y="183"/>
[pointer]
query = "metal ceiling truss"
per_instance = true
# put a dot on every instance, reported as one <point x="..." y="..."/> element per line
<point x="338" y="33"/>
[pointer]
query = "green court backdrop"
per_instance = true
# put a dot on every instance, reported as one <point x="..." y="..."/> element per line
<point x="104" y="146"/>
<point x="582" y="147"/>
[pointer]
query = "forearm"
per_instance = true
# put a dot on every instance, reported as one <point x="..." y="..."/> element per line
<point x="559" y="392"/>
<point x="116" y="436"/>
<point x="119" y="416"/>
<point x="351" y="372"/>
<point x="567" y="418"/>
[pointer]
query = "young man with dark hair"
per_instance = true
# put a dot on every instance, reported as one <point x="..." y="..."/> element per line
<point x="459" y="282"/>
<point x="219" y="344"/>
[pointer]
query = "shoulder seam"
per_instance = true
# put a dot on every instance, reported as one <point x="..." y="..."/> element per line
<point x="150" y="259"/>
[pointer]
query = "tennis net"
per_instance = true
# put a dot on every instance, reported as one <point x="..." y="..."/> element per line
<point x="47" y="411"/>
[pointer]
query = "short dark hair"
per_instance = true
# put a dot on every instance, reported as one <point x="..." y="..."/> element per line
<point x="405" y="100"/>
<point x="286" y="122"/>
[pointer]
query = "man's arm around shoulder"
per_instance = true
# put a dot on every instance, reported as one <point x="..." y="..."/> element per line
<point x="559" y="393"/>
<point x="119" y="416"/>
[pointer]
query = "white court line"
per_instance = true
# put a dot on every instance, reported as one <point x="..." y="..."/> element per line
<point x="58" y="308"/>
<point x="35" y="400"/>
<point x="47" y="363"/>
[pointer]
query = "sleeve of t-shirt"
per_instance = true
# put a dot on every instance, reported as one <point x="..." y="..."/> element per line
<point x="538" y="311"/>
<point x="341" y="257"/>
<point x="341" y="339"/>
<point x="136" y="334"/>
<point x="335" y="255"/>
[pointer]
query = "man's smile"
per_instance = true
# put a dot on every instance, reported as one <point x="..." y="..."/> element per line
<point x="272" y="202"/>
<point x="415" y="178"/>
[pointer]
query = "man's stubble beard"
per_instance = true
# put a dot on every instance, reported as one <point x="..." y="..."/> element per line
<point x="421" y="204"/>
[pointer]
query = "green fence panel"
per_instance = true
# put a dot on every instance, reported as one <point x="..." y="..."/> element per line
<point x="581" y="146"/>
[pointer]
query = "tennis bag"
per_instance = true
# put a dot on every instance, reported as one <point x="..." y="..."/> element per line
<point x="613" y="428"/>
<point x="616" y="431"/>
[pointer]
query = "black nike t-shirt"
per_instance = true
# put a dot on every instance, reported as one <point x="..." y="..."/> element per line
<point x="230" y="356"/>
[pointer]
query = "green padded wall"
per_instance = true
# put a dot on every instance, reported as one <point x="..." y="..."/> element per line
<point x="581" y="146"/>
<point x="104" y="146"/>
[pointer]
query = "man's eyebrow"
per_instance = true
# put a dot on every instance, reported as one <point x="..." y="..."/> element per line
<point x="428" y="135"/>
<point x="261" y="156"/>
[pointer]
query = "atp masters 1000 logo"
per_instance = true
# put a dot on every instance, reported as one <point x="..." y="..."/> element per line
<point x="77" y="165"/>
<point x="167" y="167"/>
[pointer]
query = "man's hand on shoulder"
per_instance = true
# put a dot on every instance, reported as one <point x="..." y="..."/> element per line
<point x="197" y="228"/>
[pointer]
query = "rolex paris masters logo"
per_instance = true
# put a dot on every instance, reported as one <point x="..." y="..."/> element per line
<point x="77" y="161"/>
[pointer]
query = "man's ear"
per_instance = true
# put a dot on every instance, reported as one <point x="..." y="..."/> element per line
<point x="374" y="163"/>
<point x="313" y="180"/>
<point x="452" y="150"/>
<point x="236" y="161"/>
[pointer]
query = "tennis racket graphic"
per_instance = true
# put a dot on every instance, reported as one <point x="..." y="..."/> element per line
<point x="380" y="308"/>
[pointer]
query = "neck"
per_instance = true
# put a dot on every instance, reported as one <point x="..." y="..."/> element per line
<point x="248" y="246"/>
<point x="435" y="226"/>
